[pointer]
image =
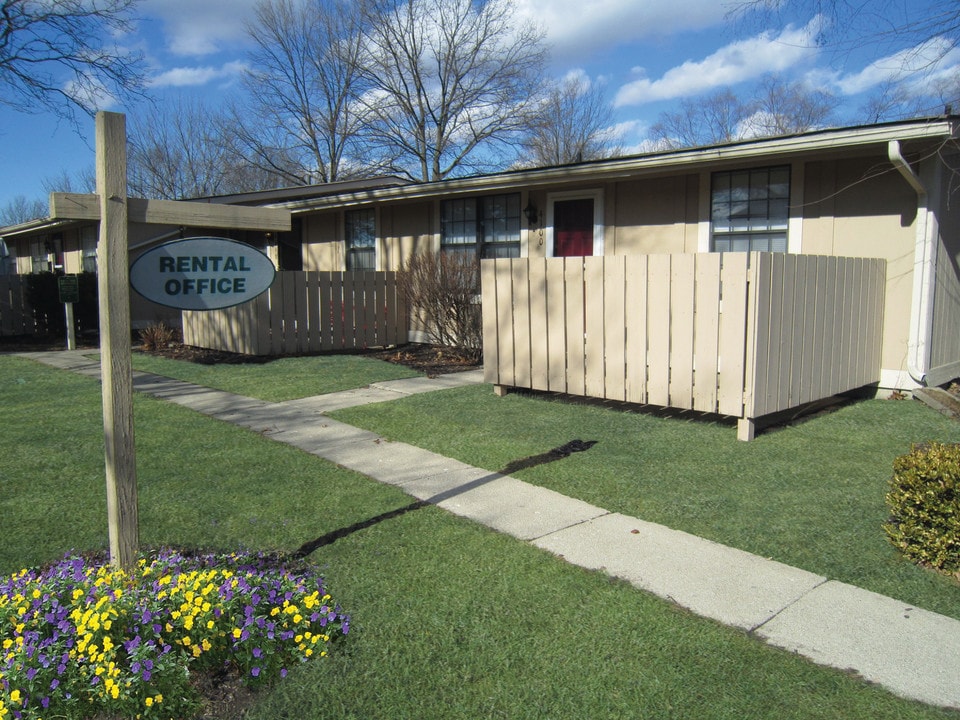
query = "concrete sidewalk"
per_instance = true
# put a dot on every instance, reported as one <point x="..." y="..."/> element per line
<point x="912" y="652"/>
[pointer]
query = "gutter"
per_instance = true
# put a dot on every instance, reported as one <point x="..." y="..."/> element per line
<point x="924" y="265"/>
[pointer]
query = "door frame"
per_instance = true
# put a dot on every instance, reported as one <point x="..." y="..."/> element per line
<point x="597" y="197"/>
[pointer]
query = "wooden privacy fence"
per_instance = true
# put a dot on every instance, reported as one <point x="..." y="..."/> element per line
<point x="306" y="312"/>
<point x="16" y="314"/>
<point x="737" y="334"/>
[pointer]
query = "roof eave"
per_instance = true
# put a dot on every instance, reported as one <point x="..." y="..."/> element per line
<point x="847" y="138"/>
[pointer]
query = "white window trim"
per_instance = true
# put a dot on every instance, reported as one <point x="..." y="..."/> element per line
<point x="795" y="209"/>
<point x="597" y="197"/>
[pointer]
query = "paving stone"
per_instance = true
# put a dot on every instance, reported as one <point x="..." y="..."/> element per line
<point x="913" y="652"/>
<point x="712" y="580"/>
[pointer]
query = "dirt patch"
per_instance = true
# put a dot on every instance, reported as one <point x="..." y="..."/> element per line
<point x="429" y="359"/>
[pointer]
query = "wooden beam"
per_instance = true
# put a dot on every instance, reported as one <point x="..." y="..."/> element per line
<point x="115" y="358"/>
<point x="78" y="206"/>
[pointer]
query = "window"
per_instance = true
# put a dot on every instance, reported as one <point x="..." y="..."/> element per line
<point x="361" y="239"/>
<point x="40" y="256"/>
<point x="487" y="227"/>
<point x="749" y="209"/>
<point x="88" y="249"/>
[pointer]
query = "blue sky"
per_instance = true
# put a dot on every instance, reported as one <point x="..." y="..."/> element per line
<point x="650" y="55"/>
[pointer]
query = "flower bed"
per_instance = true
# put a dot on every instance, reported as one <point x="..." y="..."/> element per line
<point x="80" y="639"/>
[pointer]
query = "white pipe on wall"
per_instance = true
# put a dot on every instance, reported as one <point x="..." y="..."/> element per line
<point x="924" y="263"/>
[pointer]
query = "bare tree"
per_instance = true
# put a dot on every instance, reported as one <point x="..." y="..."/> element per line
<point x="21" y="210"/>
<point x="185" y="151"/>
<point x="709" y="120"/>
<point x="778" y="108"/>
<point x="450" y="82"/>
<point x="302" y="119"/>
<point x="53" y="58"/>
<point x="82" y="181"/>
<point x="783" y="108"/>
<point x="571" y="124"/>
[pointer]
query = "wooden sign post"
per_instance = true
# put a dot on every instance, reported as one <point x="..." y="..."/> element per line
<point x="112" y="208"/>
<point x="68" y="288"/>
<point x="115" y="361"/>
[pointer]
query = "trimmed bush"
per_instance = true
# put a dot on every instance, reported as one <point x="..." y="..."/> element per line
<point x="925" y="503"/>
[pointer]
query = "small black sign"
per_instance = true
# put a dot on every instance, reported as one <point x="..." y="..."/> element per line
<point x="69" y="288"/>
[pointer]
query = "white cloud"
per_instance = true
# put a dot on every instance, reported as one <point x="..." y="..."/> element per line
<point x="194" y="76"/>
<point x="920" y="68"/>
<point x="577" y="30"/>
<point x="195" y="28"/>
<point x="731" y="64"/>
<point x="90" y="93"/>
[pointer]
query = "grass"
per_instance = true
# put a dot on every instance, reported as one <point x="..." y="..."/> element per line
<point x="289" y="378"/>
<point x="809" y="495"/>
<point x="449" y="619"/>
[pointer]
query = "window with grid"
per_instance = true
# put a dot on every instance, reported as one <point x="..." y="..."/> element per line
<point x="486" y="227"/>
<point x="361" y="238"/>
<point x="88" y="249"/>
<point x="749" y="209"/>
<point x="40" y="256"/>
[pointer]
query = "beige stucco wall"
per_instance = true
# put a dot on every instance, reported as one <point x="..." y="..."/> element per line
<point x="407" y="228"/>
<point x="654" y="215"/>
<point x="322" y="242"/>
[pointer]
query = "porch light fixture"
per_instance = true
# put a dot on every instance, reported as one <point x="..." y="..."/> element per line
<point x="531" y="213"/>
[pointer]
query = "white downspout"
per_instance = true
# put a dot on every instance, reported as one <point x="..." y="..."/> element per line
<point x="924" y="262"/>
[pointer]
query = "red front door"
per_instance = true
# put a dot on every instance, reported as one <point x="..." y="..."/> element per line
<point x="573" y="227"/>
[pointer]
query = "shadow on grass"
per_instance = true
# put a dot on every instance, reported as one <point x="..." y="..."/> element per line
<point x="557" y="453"/>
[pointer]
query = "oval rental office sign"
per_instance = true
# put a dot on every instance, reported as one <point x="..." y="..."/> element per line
<point x="202" y="273"/>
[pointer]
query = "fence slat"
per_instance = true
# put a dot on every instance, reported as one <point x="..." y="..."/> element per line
<point x="615" y="328"/>
<point x="520" y="287"/>
<point x="682" y="294"/>
<point x="576" y="360"/>
<point x="658" y="327"/>
<point x="491" y="325"/>
<point x="557" y="325"/>
<point x="706" y="332"/>
<point x="506" y="363"/>
<point x="539" y="337"/>
<point x="593" y="326"/>
<point x="733" y="330"/>
<point x="635" y="270"/>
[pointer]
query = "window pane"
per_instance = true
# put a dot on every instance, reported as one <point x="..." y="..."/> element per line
<point x="780" y="182"/>
<point x="501" y="250"/>
<point x="746" y="205"/>
<point x="486" y="226"/>
<point x="361" y="239"/>
<point x="362" y="259"/>
<point x="458" y="222"/>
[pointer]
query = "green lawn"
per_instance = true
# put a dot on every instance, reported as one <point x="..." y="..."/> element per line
<point x="810" y="495"/>
<point x="450" y="620"/>
<point x="289" y="378"/>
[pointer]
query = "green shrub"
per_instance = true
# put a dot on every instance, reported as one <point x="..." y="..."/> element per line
<point x="925" y="503"/>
